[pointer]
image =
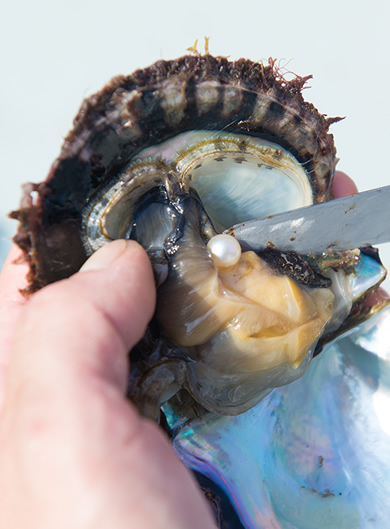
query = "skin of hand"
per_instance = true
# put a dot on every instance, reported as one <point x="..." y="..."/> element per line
<point x="73" y="452"/>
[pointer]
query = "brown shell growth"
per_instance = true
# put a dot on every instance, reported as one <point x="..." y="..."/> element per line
<point x="147" y="107"/>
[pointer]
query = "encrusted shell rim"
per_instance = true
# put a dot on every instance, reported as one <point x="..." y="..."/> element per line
<point x="119" y="109"/>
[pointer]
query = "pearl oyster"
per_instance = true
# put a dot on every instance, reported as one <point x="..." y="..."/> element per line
<point x="171" y="156"/>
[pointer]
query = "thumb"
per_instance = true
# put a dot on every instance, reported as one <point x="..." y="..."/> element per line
<point x="88" y="322"/>
<point x="73" y="452"/>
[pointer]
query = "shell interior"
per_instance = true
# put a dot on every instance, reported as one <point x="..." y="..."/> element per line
<point x="237" y="178"/>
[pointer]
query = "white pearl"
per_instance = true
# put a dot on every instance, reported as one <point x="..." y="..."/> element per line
<point x="225" y="250"/>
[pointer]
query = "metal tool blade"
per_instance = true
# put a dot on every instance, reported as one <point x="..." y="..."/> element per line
<point x="341" y="224"/>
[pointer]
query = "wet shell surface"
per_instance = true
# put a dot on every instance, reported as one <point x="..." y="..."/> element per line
<point x="172" y="156"/>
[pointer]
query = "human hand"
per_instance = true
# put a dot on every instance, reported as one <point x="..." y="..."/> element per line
<point x="73" y="452"/>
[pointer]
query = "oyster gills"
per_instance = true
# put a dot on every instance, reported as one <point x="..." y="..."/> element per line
<point x="171" y="156"/>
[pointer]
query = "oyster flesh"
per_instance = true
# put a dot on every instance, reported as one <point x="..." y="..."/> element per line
<point x="172" y="156"/>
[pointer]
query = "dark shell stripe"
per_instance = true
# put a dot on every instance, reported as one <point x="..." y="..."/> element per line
<point x="147" y="107"/>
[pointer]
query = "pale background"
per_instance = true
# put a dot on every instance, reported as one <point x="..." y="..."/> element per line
<point x="55" y="53"/>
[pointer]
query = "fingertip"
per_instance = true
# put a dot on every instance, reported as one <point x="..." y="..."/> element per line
<point x="126" y="270"/>
<point x="107" y="255"/>
<point x="343" y="185"/>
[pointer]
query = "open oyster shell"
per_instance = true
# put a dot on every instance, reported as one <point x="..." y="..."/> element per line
<point x="171" y="156"/>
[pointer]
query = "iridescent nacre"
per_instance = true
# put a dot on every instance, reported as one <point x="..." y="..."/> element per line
<point x="312" y="455"/>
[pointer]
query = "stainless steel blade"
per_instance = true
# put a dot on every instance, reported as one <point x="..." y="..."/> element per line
<point x="342" y="224"/>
